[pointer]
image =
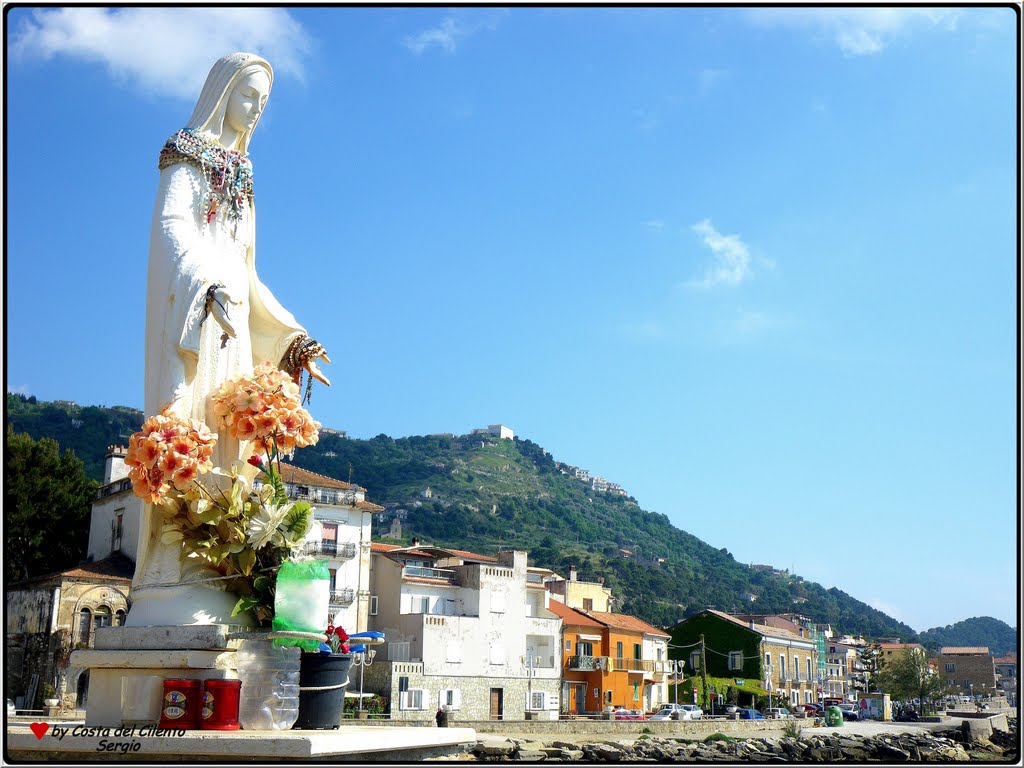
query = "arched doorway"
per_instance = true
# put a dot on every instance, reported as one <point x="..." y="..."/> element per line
<point x="82" y="690"/>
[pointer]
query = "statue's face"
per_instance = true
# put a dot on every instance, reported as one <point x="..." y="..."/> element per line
<point x="247" y="101"/>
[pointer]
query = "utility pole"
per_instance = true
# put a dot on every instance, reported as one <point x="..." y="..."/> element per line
<point x="703" y="675"/>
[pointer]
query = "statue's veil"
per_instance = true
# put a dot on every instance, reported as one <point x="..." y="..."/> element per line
<point x="228" y="70"/>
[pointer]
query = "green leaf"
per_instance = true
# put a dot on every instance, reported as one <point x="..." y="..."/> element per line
<point x="246" y="560"/>
<point x="245" y="604"/>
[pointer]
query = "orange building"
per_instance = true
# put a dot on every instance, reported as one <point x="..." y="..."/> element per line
<point x="583" y="656"/>
<point x="637" y="663"/>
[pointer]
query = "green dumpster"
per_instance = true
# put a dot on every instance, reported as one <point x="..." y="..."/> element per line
<point x="833" y="717"/>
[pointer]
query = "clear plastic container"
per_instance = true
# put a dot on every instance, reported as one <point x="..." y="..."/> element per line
<point x="269" y="697"/>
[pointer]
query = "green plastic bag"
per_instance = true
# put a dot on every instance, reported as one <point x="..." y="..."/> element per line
<point x="301" y="600"/>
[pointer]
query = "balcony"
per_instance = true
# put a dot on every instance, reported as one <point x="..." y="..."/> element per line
<point x="421" y="572"/>
<point x="587" y="663"/>
<point x="343" y="597"/>
<point x="622" y="664"/>
<point x="345" y="550"/>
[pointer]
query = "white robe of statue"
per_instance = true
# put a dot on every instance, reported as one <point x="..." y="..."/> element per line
<point x="188" y="355"/>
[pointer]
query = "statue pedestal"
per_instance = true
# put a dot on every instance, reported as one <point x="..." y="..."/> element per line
<point x="128" y="664"/>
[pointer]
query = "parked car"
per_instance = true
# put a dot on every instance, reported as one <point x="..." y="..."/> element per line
<point x="850" y="711"/>
<point x="663" y="714"/>
<point x="690" y="712"/>
<point x="807" y="710"/>
<point x="621" y="713"/>
<point x="776" y="713"/>
<point x="750" y="714"/>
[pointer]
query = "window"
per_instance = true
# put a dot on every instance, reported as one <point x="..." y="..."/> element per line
<point x="497" y="653"/>
<point x="535" y="700"/>
<point x="454" y="651"/>
<point x="84" y="625"/>
<point x="449" y="698"/>
<point x="950" y="666"/>
<point x="608" y="697"/>
<point x="119" y="617"/>
<point x="413" y="699"/>
<point x="809" y="675"/>
<point x="373" y="605"/>
<point x="584" y="648"/>
<point x="735" y="660"/>
<point x="588" y="604"/>
<point x="398" y="652"/>
<point x="636" y="691"/>
<point x="695" y="660"/>
<point x="568" y="645"/>
<point x="796" y="667"/>
<point x="449" y="606"/>
<point x="334" y="577"/>
<point x="618" y="649"/>
<point x="782" y="667"/>
<point x="423" y="604"/>
<point x="102" y="617"/>
<point x="637" y="651"/>
<point x="117" y="528"/>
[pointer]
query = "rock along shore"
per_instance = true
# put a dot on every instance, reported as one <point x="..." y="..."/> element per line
<point x="945" y="746"/>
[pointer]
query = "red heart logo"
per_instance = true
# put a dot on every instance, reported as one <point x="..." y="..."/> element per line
<point x="40" y="729"/>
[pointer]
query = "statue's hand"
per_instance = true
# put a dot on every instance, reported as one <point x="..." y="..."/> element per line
<point x="219" y="303"/>
<point x="314" y="370"/>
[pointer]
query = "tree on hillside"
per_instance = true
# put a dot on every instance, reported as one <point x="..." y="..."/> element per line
<point x="47" y="497"/>
<point x="908" y="676"/>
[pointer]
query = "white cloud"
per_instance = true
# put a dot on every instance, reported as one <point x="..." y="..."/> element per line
<point x="708" y="79"/>
<point x="731" y="265"/>
<point x="164" y="50"/>
<point x="450" y="32"/>
<point x="752" y="322"/>
<point x="19" y="390"/>
<point x="859" y="31"/>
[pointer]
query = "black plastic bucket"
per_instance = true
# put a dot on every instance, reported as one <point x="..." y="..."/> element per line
<point x="323" y="678"/>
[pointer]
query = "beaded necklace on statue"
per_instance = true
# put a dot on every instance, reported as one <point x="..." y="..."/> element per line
<point x="228" y="173"/>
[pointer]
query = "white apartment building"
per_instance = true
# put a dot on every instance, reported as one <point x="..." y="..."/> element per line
<point x="114" y="521"/>
<point x="466" y="632"/>
<point x="341" y="533"/>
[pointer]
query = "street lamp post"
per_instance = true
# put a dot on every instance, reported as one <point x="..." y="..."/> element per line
<point x="363" y="660"/>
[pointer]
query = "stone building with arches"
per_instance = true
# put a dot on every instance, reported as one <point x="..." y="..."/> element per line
<point x="50" y="616"/>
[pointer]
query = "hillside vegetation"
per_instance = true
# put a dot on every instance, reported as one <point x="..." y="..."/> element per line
<point x="489" y="494"/>
<point x="998" y="636"/>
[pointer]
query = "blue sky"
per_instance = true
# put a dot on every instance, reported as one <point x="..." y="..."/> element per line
<point x="757" y="265"/>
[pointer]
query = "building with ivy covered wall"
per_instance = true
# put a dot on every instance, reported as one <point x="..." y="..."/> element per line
<point x="757" y="661"/>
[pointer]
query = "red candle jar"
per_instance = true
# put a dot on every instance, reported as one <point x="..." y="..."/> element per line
<point x="220" y="705"/>
<point x="180" y="704"/>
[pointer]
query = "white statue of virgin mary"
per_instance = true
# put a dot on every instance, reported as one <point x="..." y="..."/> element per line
<point x="208" y="316"/>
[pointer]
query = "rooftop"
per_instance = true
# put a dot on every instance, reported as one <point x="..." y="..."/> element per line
<point x="571" y="616"/>
<point x="624" y="621"/>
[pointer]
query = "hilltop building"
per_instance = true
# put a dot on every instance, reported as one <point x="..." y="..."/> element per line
<point x="496" y="430"/>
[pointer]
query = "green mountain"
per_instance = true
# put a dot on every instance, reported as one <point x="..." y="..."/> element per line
<point x="488" y="494"/>
<point x="998" y="636"/>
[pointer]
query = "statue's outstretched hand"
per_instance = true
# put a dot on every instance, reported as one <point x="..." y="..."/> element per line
<point x="314" y="370"/>
<point x="218" y="304"/>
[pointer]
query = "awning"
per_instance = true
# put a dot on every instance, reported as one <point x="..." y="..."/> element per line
<point x="588" y="637"/>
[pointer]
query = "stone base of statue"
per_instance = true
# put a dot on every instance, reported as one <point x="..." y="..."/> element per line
<point x="128" y="665"/>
